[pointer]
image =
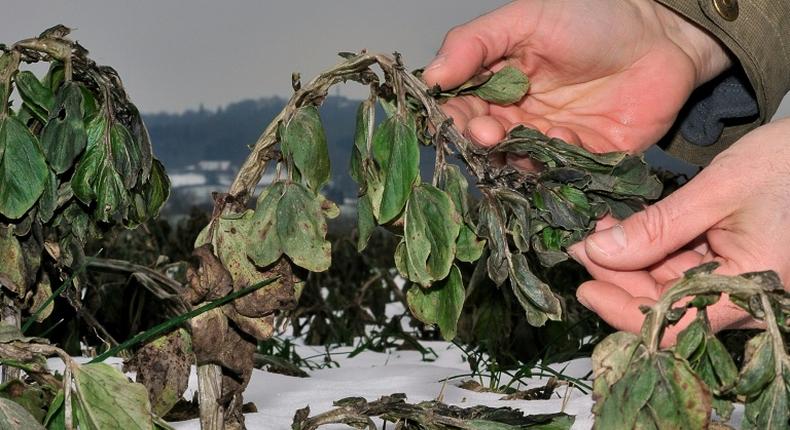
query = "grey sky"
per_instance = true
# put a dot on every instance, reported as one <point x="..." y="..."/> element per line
<point x="176" y="54"/>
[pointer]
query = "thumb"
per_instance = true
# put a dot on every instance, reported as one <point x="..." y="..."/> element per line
<point x="470" y="47"/>
<point x="647" y="237"/>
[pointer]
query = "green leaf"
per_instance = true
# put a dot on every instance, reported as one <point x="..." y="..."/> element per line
<point x="265" y="246"/>
<point x="12" y="262"/>
<point x="621" y="407"/>
<point x="125" y="155"/>
<point x="769" y="409"/>
<point x="529" y="290"/>
<point x="441" y="304"/>
<point x="142" y="141"/>
<point x="722" y="363"/>
<point x="397" y="155"/>
<point x="758" y="368"/>
<point x="302" y="229"/>
<point x="23" y="170"/>
<point x="303" y="142"/>
<point x="505" y="87"/>
<point x="366" y="116"/>
<point x="457" y="187"/>
<point x="691" y="339"/>
<point x="680" y="399"/>
<point x="111" y="195"/>
<point x="469" y="248"/>
<point x="49" y="198"/>
<point x="431" y="226"/>
<point x="35" y="95"/>
<point x="366" y="223"/>
<point x="64" y="137"/>
<point x="491" y="225"/>
<point x="157" y="190"/>
<point x="110" y="401"/>
<point x="14" y="417"/>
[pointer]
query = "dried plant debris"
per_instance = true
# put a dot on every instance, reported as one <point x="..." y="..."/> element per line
<point x="359" y="413"/>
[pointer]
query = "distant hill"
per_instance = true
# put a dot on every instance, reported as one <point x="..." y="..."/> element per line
<point x="184" y="139"/>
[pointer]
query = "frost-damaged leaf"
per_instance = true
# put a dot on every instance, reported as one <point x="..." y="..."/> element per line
<point x="770" y="408"/>
<point x="304" y="142"/>
<point x="505" y="87"/>
<point x="611" y="357"/>
<point x="302" y="229"/>
<point x="12" y="333"/>
<point x="468" y="248"/>
<point x="64" y="137"/>
<point x="397" y="155"/>
<point x="12" y="263"/>
<point x="441" y="304"/>
<point x="265" y="247"/>
<point x="23" y="170"/>
<point x="528" y="288"/>
<point x="140" y="134"/>
<point x="49" y="198"/>
<point x="15" y="417"/>
<point x="431" y="226"/>
<point x="362" y="139"/>
<point x="38" y="98"/>
<point x="620" y="408"/>
<point x="96" y="176"/>
<point x="680" y="399"/>
<point x="110" y="401"/>
<point x="491" y="225"/>
<point x="125" y="155"/>
<point x="157" y="190"/>
<point x="366" y="223"/>
<point x="457" y="187"/>
<point x="42" y="294"/>
<point x="758" y="368"/>
<point x="162" y="366"/>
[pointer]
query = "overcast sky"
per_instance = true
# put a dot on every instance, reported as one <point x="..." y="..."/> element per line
<point x="174" y="55"/>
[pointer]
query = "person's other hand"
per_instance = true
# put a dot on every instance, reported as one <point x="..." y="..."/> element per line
<point x="735" y="212"/>
<point x="609" y="75"/>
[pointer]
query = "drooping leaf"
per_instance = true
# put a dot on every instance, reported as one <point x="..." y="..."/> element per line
<point x="620" y="408"/>
<point x="108" y="400"/>
<point x="491" y="226"/>
<point x="457" y="187"/>
<point x="468" y="248"/>
<point x="49" y="198"/>
<point x="13" y="416"/>
<point x="304" y="143"/>
<point x="431" y="226"/>
<point x="143" y="141"/>
<point x="397" y="155"/>
<point x="680" y="399"/>
<point x="12" y="262"/>
<point x="758" y="368"/>
<point x="38" y="98"/>
<point x="363" y="136"/>
<point x="265" y="246"/>
<point x="505" y="87"/>
<point x="23" y="170"/>
<point x="41" y="296"/>
<point x="530" y="290"/>
<point x="770" y="408"/>
<point x="302" y="229"/>
<point x="64" y="137"/>
<point x="157" y="190"/>
<point x="366" y="223"/>
<point x="125" y="155"/>
<point x="162" y="366"/>
<point x="441" y="304"/>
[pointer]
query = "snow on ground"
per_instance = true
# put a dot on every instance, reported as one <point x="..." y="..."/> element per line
<point x="372" y="375"/>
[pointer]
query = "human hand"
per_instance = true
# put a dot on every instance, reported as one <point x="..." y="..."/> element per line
<point x="735" y="212"/>
<point x="608" y="75"/>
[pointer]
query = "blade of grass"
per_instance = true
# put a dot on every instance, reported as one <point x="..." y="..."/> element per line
<point x="174" y="322"/>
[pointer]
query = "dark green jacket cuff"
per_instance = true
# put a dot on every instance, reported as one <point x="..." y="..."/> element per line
<point x="758" y="36"/>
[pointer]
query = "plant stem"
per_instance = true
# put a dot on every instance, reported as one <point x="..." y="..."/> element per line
<point x="175" y="322"/>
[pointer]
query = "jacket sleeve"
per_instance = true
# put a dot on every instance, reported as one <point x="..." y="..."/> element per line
<point x="757" y="34"/>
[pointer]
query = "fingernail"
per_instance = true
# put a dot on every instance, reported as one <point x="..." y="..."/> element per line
<point x="583" y="301"/>
<point x="437" y="62"/>
<point x="609" y="242"/>
<point x="572" y="254"/>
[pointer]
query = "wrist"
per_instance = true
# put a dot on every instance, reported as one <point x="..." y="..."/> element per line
<point x="709" y="56"/>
